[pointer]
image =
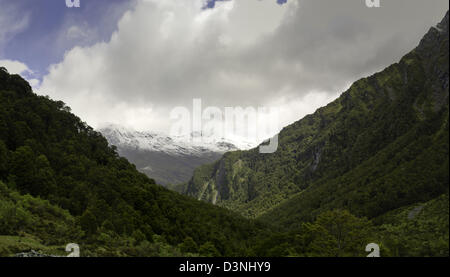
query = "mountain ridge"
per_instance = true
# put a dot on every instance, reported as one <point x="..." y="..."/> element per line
<point x="371" y="115"/>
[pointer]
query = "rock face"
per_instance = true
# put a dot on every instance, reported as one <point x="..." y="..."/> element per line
<point x="378" y="117"/>
<point x="165" y="159"/>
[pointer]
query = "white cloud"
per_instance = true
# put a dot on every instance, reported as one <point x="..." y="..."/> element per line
<point x="76" y="32"/>
<point x="34" y="83"/>
<point x="254" y="53"/>
<point x="11" y="23"/>
<point x="16" y="67"/>
<point x="163" y="54"/>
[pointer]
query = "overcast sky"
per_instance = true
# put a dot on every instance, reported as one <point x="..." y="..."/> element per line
<point x="132" y="62"/>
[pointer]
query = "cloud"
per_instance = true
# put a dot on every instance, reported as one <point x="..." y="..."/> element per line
<point x="76" y="32"/>
<point x="34" y="83"/>
<point x="16" y="67"/>
<point x="161" y="57"/>
<point x="298" y="56"/>
<point x="94" y="24"/>
<point x="11" y="23"/>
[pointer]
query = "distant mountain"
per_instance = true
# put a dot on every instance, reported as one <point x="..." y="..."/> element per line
<point x="382" y="145"/>
<point x="168" y="160"/>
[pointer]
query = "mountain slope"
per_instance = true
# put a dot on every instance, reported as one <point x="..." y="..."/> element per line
<point x="50" y="154"/>
<point x="381" y="145"/>
<point x="167" y="160"/>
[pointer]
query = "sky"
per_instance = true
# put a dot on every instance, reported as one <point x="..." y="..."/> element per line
<point x="132" y="62"/>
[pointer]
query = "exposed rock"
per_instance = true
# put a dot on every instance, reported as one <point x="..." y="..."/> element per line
<point x="34" y="254"/>
<point x="414" y="212"/>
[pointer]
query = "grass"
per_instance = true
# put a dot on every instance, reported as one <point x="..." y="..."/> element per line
<point x="11" y="245"/>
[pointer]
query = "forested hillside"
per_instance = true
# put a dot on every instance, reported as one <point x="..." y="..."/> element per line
<point x="382" y="145"/>
<point x="400" y="154"/>
<point x="61" y="183"/>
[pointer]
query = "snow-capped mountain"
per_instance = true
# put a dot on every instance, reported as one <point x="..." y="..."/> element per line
<point x="168" y="160"/>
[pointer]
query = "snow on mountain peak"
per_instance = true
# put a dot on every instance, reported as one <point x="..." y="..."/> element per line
<point x="195" y="144"/>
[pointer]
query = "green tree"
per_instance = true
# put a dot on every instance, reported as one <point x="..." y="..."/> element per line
<point x="3" y="159"/>
<point x="138" y="236"/>
<point x="209" y="250"/>
<point x="88" y="222"/>
<point x="337" y="233"/>
<point x="20" y="133"/>
<point x="188" y="246"/>
<point x="45" y="177"/>
<point x="23" y="169"/>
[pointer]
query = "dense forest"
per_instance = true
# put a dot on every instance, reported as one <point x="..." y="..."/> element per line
<point x="370" y="167"/>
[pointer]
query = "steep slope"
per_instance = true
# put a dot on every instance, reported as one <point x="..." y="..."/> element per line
<point x="413" y="167"/>
<point x="50" y="154"/>
<point x="383" y="144"/>
<point x="165" y="159"/>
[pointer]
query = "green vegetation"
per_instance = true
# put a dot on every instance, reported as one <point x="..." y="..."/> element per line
<point x="29" y="223"/>
<point x="335" y="233"/>
<point x="62" y="183"/>
<point x="420" y="230"/>
<point x="10" y="245"/>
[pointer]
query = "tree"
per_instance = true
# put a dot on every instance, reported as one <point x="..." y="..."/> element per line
<point x="188" y="246"/>
<point x="337" y="233"/>
<point x="138" y="236"/>
<point x="88" y="222"/>
<point x="20" y="133"/>
<point x="209" y="250"/>
<point x="79" y="199"/>
<point x="23" y="169"/>
<point x="45" y="177"/>
<point x="3" y="159"/>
